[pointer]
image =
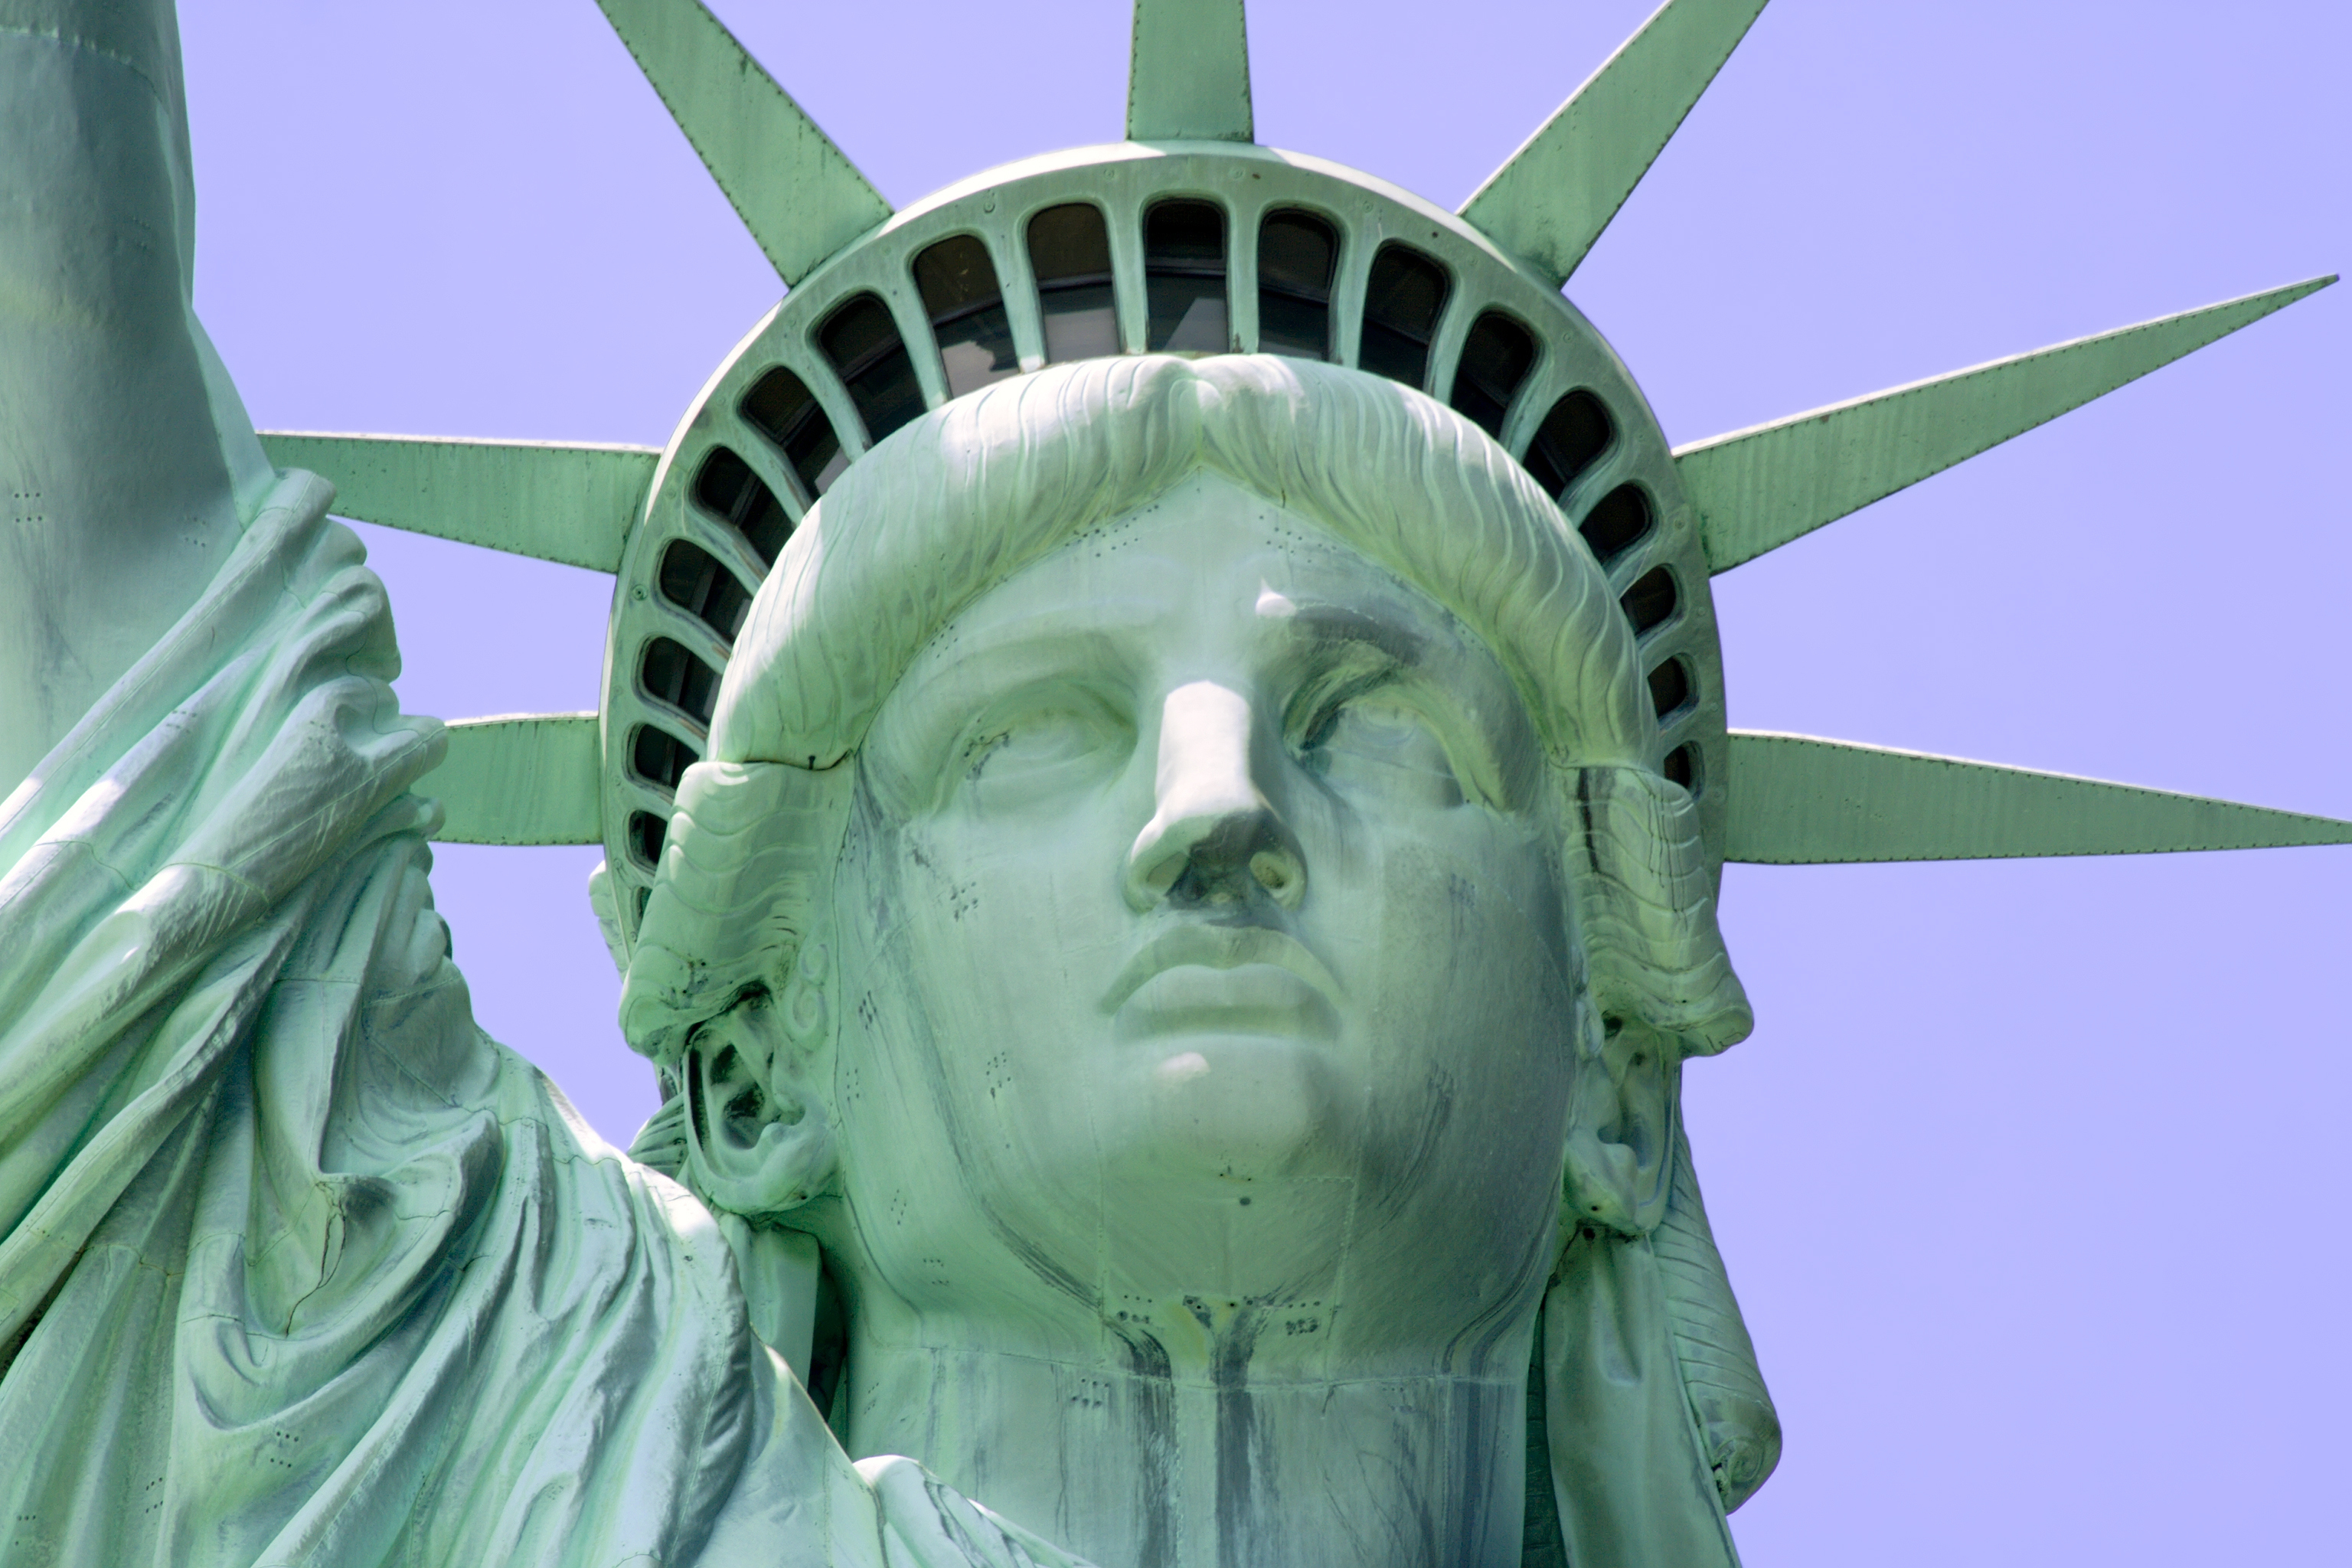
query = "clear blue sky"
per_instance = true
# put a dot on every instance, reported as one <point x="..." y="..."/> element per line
<point x="2032" y="1176"/>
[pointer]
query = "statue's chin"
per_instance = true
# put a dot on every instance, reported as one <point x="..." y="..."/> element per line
<point x="1229" y="1179"/>
<point x="1241" y="1107"/>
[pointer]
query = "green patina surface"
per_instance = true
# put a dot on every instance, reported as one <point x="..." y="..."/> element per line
<point x="1550" y="201"/>
<point x="1758" y="489"/>
<point x="1189" y="77"/>
<point x="796" y="192"/>
<point x="566" y="502"/>
<point x="526" y="779"/>
<point x="1050" y="958"/>
<point x="1809" y="802"/>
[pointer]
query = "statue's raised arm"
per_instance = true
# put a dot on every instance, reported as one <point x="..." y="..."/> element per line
<point x="128" y="464"/>
<point x="295" y="1265"/>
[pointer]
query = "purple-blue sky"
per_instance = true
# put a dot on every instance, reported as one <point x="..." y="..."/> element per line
<point x="2031" y="1177"/>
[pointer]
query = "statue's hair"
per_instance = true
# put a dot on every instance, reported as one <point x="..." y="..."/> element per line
<point x="969" y="495"/>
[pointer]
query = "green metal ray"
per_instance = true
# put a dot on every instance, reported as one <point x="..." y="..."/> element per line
<point x="1757" y="489"/>
<point x="1188" y="72"/>
<point x="1799" y="801"/>
<point x="1550" y="199"/>
<point x="796" y="192"/>
<point x="523" y="778"/>
<point x="567" y="503"/>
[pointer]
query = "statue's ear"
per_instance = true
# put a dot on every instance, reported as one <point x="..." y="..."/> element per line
<point x="1646" y="900"/>
<point x="758" y="1090"/>
<point x="1662" y="989"/>
<point x="1621" y="1142"/>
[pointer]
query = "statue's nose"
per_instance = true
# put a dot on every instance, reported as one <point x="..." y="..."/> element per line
<point x="1214" y="837"/>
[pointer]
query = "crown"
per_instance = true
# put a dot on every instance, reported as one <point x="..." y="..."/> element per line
<point x="1188" y="238"/>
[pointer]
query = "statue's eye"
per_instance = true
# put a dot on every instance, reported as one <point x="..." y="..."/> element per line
<point x="1377" y="743"/>
<point x="1040" y="749"/>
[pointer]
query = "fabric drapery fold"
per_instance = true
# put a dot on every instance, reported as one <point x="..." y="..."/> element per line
<point x="1630" y="1481"/>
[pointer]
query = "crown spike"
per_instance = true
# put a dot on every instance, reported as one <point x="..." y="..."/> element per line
<point x="1757" y="489"/>
<point x="1796" y="800"/>
<point x="570" y="503"/>
<point x="1549" y="201"/>
<point x="521" y="778"/>
<point x="1188" y="74"/>
<point x="796" y="192"/>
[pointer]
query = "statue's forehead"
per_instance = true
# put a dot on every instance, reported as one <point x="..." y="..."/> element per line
<point x="1209" y="556"/>
<point x="1208" y="582"/>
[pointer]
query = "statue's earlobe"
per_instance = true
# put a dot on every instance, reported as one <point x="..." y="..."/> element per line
<point x="759" y="1115"/>
<point x="1622" y="1140"/>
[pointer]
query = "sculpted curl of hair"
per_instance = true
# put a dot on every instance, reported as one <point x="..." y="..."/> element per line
<point x="966" y="497"/>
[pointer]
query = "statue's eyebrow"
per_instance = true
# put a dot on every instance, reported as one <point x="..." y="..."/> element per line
<point x="1094" y="626"/>
<point x="1007" y="655"/>
<point x="1482" y="711"/>
<point x="931" y="707"/>
<point x="1031" y="647"/>
<point x="1323" y="625"/>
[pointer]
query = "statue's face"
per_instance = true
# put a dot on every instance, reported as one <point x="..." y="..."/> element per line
<point x="1203" y="945"/>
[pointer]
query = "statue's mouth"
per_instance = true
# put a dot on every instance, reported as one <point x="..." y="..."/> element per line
<point x="1228" y="980"/>
<point x="1251" y="999"/>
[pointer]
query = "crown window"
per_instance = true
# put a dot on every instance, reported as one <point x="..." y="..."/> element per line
<point x="862" y="341"/>
<point x="693" y="580"/>
<point x="1402" y="300"/>
<point x="1296" y="253"/>
<point x="674" y="676"/>
<point x="1614" y="526"/>
<point x="1495" y="359"/>
<point x="729" y="490"/>
<point x="1570" y="441"/>
<point x="1681" y="766"/>
<point x="1651" y="601"/>
<point x="660" y="758"/>
<point x="780" y="407"/>
<point x="647" y="832"/>
<point x="1069" y="252"/>
<point x="957" y="283"/>
<point x="1670" y="687"/>
<point x="1185" y="278"/>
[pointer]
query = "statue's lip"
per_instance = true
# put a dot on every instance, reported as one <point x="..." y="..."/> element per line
<point x="1219" y="947"/>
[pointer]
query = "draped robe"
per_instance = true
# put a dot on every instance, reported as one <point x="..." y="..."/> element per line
<point x="296" y="1265"/>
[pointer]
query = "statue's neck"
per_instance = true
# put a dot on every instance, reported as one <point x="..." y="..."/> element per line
<point x="1237" y="1457"/>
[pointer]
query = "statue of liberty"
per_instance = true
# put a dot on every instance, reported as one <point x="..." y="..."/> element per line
<point x="1164" y="779"/>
